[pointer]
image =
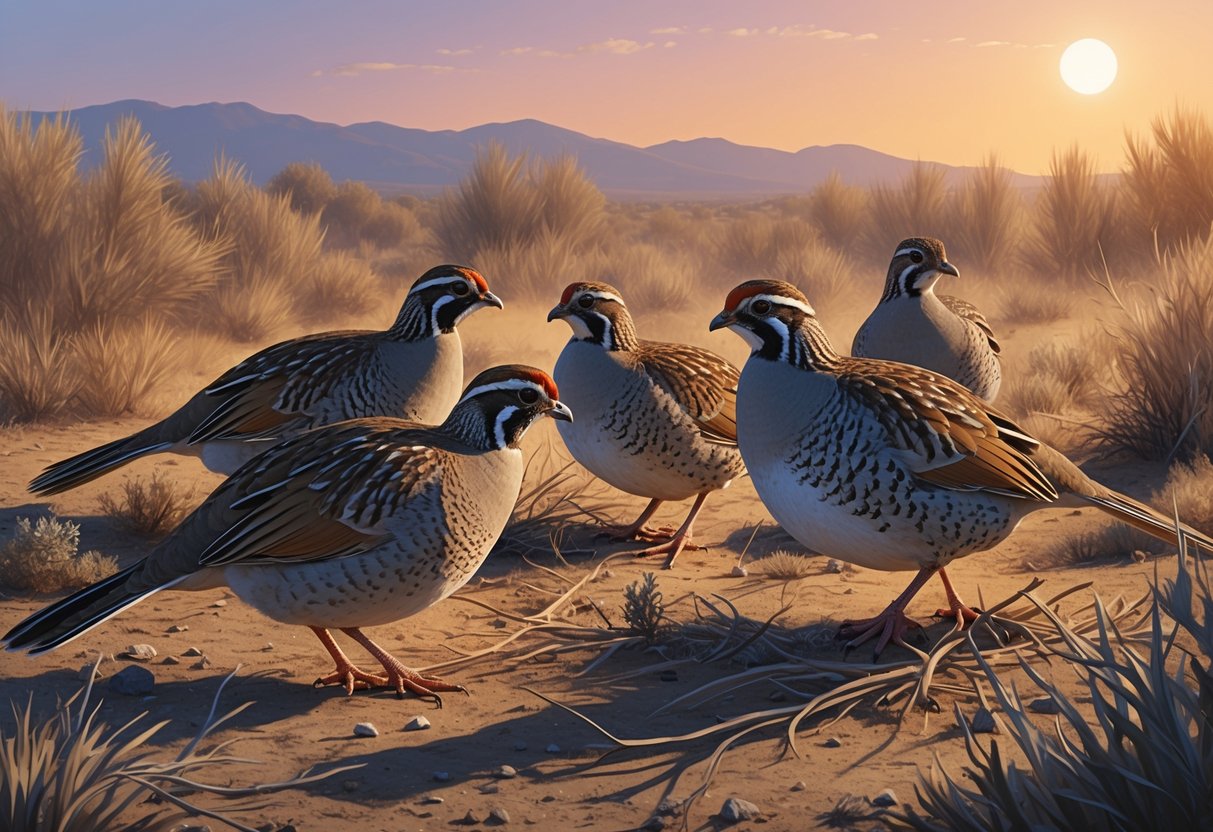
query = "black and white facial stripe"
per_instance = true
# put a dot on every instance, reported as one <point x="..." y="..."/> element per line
<point x="916" y="265"/>
<point x="596" y="313"/>
<point x="439" y="300"/>
<point x="501" y="404"/>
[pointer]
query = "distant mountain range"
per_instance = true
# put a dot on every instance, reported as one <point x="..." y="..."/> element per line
<point x="401" y="157"/>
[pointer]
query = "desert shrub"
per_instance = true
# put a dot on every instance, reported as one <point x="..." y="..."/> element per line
<point x="74" y="772"/>
<point x="782" y="565"/>
<point x="571" y="206"/>
<point x="120" y="366"/>
<point x="37" y="365"/>
<point x="820" y="271"/>
<point x="1056" y="379"/>
<point x="1020" y="303"/>
<point x="339" y="286"/>
<point x="751" y="244"/>
<point x="1169" y="182"/>
<point x="1142" y="760"/>
<point x="915" y="207"/>
<point x="252" y="310"/>
<point x="1162" y="404"/>
<point x="308" y="186"/>
<point x="1074" y="219"/>
<point x="840" y="212"/>
<point x="987" y="227"/>
<point x="643" y="607"/>
<point x="392" y="226"/>
<point x="538" y="270"/>
<point x="650" y="278"/>
<point x="42" y="557"/>
<point x="152" y="508"/>
<point x="350" y="211"/>
<point x="494" y="208"/>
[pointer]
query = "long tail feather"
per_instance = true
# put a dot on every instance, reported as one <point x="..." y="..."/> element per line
<point x="77" y="470"/>
<point x="76" y="614"/>
<point x="1154" y="523"/>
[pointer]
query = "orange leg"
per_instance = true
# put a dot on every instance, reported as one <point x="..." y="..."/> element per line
<point x="347" y="674"/>
<point x="957" y="610"/>
<point x="680" y="540"/>
<point x="892" y="624"/>
<point x="400" y="677"/>
<point x="638" y="530"/>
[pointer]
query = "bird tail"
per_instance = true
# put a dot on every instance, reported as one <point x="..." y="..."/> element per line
<point x="77" y="470"/>
<point x="1143" y="518"/>
<point x="76" y="614"/>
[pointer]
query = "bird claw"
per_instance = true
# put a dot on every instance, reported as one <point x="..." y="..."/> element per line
<point x="351" y="678"/>
<point x="644" y="534"/>
<point x="672" y="548"/>
<point x="890" y="626"/>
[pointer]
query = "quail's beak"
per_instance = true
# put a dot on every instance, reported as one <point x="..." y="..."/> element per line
<point x="561" y="411"/>
<point x="489" y="299"/>
<point x="558" y="311"/>
<point x="947" y="268"/>
<point x="724" y="319"/>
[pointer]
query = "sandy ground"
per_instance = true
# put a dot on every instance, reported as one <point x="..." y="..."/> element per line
<point x="292" y="726"/>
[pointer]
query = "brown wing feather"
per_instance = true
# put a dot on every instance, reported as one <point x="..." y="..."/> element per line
<point x="703" y="384"/>
<point x="966" y="310"/>
<point x="961" y="442"/>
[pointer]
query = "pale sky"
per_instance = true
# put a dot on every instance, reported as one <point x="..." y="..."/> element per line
<point x="943" y="81"/>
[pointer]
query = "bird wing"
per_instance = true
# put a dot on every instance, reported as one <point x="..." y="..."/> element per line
<point x="703" y="384"/>
<point x="276" y="386"/>
<point x="966" y="310"/>
<point x="949" y="437"/>
<point x="322" y="495"/>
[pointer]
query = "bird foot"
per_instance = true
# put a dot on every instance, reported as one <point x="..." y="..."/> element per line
<point x="644" y="534"/>
<point x="890" y="626"/>
<point x="671" y="549"/>
<point x="352" y="678"/>
<point x="960" y="613"/>
<point x="426" y="687"/>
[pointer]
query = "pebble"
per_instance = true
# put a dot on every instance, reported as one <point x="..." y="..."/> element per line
<point x="520" y="746"/>
<point x="983" y="722"/>
<point x="553" y="749"/>
<point x="365" y="729"/>
<point x="888" y="797"/>
<point x="417" y="723"/>
<point x="442" y="776"/>
<point x="833" y="742"/>
<point x="178" y="628"/>
<point x="170" y="660"/>
<point x="833" y="567"/>
<point x="132" y="681"/>
<point x="1044" y="705"/>
<point x="202" y="664"/>
<point x="490" y="788"/>
<point x="220" y="603"/>
<point x="471" y="818"/>
<point x="191" y="651"/>
<point x="735" y="809"/>
<point x="498" y="817"/>
<point x="269" y="645"/>
<point x="799" y="786"/>
<point x="506" y="773"/>
<point x="138" y="653"/>
<point x="740" y="571"/>
<point x="432" y="800"/>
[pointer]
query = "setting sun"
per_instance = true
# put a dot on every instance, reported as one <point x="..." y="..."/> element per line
<point x="1088" y="66"/>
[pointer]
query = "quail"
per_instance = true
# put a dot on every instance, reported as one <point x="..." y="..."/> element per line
<point x="914" y="325"/>
<point x="349" y="525"/>
<point x="889" y="465"/>
<point x="413" y="370"/>
<point x="654" y="419"/>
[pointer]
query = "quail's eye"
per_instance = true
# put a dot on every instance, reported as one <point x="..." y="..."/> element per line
<point x="916" y="256"/>
<point x="460" y="289"/>
<point x="760" y="307"/>
<point x="585" y="301"/>
<point x="528" y="395"/>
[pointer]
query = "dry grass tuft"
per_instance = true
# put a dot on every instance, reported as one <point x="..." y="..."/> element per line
<point x="643" y="608"/>
<point x="786" y="566"/>
<point x="1057" y="379"/>
<point x="76" y="773"/>
<point x="37" y="366"/>
<point x="152" y="508"/>
<point x="651" y="277"/>
<point x="42" y="557"/>
<point x="1075" y="219"/>
<point x="1022" y="304"/>
<point x="840" y="212"/>
<point x="915" y="207"/>
<point x="1169" y="183"/>
<point x="122" y="366"/>
<point x="988" y="221"/>
<point x="340" y="286"/>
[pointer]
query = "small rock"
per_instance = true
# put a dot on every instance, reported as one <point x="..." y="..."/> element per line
<point x="888" y="797"/>
<point x="170" y="660"/>
<point x="191" y="651"/>
<point x="520" y="746"/>
<point x="178" y="628"/>
<point x="269" y="645"/>
<point x="133" y="681"/>
<point x="740" y="571"/>
<point x="138" y="653"/>
<point x="1044" y="705"/>
<point x="833" y="567"/>
<point x="219" y="603"/>
<point x="350" y="785"/>
<point x="832" y="742"/>
<point x="497" y="817"/>
<point x="669" y="808"/>
<point x="471" y="818"/>
<point x="506" y="773"/>
<point x="654" y="824"/>
<point x="799" y="786"/>
<point x="365" y="729"/>
<point x="417" y="723"/>
<point x="442" y="776"/>
<point x="983" y="722"/>
<point x="202" y="664"/>
<point x="490" y="788"/>
<point x="668" y="676"/>
<point x="735" y="809"/>
<point x="606" y="573"/>
<point x="553" y="749"/>
<point x="432" y="800"/>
